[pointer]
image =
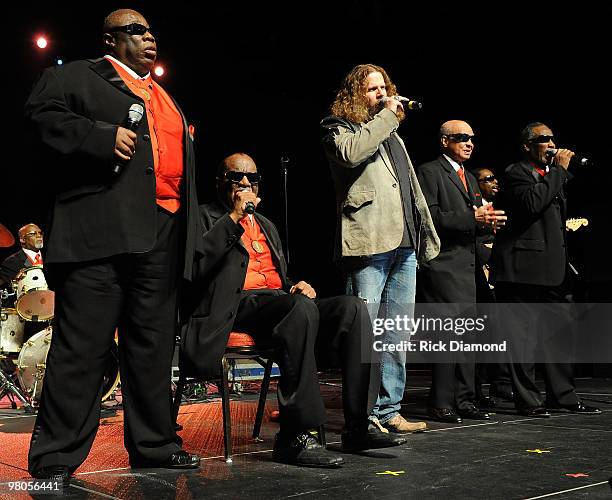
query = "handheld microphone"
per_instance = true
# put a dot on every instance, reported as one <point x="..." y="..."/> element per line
<point x="576" y="160"/>
<point x="249" y="206"/>
<point x="406" y="103"/>
<point x="132" y="121"/>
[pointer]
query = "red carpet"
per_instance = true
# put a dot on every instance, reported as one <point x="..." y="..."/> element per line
<point x="202" y="433"/>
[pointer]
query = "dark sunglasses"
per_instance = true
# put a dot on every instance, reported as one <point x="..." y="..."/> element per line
<point x="542" y="139"/>
<point x="131" y="29"/>
<point x="487" y="178"/>
<point x="235" y="177"/>
<point x="460" y="137"/>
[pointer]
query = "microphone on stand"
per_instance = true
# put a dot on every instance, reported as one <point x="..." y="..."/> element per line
<point x="576" y="160"/>
<point x="406" y="103"/>
<point x="132" y="121"/>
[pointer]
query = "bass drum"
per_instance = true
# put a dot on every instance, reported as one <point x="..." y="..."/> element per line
<point x="11" y="331"/>
<point x="32" y="362"/>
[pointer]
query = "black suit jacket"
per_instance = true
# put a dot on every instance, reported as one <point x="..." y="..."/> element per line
<point x="76" y="109"/>
<point x="531" y="249"/>
<point x="214" y="295"/>
<point x="13" y="264"/>
<point x="451" y="276"/>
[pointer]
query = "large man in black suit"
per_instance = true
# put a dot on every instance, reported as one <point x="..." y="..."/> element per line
<point x="530" y="267"/>
<point x="242" y="285"/>
<point x="118" y="244"/>
<point x="455" y="203"/>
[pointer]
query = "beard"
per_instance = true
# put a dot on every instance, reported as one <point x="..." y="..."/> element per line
<point x="372" y="109"/>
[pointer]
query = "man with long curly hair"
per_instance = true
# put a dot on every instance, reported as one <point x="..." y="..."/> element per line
<point x="383" y="223"/>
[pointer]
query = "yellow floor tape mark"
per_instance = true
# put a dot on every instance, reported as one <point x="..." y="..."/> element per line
<point x="538" y="451"/>
<point x="390" y="473"/>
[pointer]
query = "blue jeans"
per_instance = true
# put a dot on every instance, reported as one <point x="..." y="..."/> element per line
<point x="387" y="283"/>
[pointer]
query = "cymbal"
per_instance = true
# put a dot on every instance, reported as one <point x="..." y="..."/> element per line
<point x="6" y="238"/>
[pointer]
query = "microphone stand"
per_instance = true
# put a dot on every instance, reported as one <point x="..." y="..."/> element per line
<point x="284" y="166"/>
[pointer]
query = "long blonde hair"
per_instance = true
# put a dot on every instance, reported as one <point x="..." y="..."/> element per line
<point x="351" y="102"/>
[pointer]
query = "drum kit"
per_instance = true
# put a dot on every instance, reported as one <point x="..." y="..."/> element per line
<point x="22" y="358"/>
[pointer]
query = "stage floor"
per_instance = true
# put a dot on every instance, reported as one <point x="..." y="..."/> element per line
<point x="565" y="456"/>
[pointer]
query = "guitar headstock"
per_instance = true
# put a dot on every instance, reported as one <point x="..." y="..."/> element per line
<point x="574" y="224"/>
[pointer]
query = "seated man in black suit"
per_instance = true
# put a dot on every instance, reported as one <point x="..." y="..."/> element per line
<point x="241" y="284"/>
<point x="31" y="241"/>
<point x="29" y="255"/>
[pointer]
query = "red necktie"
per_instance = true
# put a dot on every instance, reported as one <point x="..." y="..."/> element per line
<point x="461" y="175"/>
<point x="540" y="171"/>
<point x="38" y="260"/>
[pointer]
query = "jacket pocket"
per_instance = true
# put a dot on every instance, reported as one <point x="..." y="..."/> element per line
<point x="526" y="244"/>
<point x="356" y="199"/>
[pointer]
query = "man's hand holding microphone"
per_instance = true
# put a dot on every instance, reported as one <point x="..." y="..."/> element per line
<point x="245" y="202"/>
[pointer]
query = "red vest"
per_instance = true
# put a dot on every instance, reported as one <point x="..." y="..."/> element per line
<point x="166" y="132"/>
<point x="261" y="272"/>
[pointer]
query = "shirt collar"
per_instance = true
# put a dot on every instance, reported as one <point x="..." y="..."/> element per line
<point x="454" y="164"/>
<point x="130" y="71"/>
<point x="31" y="253"/>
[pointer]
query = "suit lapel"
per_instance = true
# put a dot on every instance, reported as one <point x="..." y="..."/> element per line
<point x="454" y="177"/>
<point x="25" y="259"/>
<point x="216" y="211"/>
<point x="106" y="70"/>
<point x="387" y="160"/>
<point x="266" y="229"/>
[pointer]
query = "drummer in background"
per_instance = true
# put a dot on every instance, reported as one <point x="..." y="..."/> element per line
<point x="31" y="240"/>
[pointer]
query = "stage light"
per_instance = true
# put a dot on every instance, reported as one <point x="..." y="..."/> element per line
<point x="159" y="70"/>
<point x="59" y="61"/>
<point x="41" y="42"/>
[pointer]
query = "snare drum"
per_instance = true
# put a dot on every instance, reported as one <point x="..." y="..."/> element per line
<point x="11" y="331"/>
<point x="32" y="363"/>
<point x="35" y="302"/>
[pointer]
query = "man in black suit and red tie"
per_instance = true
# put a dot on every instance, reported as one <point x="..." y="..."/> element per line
<point x="29" y="255"/>
<point x="530" y="269"/>
<point x="31" y="240"/>
<point x="121" y="238"/>
<point x="455" y="203"/>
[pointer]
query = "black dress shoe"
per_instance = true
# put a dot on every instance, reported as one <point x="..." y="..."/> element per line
<point x="59" y="473"/>
<point x="536" y="411"/>
<point x="445" y="415"/>
<point x="474" y="413"/>
<point x="369" y="439"/>
<point x="303" y="449"/>
<point x="178" y="460"/>
<point x="582" y="409"/>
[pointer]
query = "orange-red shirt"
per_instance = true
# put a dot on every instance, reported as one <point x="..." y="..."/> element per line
<point x="166" y="132"/>
<point x="261" y="272"/>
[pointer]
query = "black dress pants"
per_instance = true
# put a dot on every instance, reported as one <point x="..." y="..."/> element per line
<point x="138" y="294"/>
<point x="536" y="320"/>
<point x="290" y="323"/>
<point x="452" y="384"/>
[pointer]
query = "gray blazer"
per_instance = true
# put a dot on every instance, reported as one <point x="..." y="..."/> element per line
<point x="368" y="199"/>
